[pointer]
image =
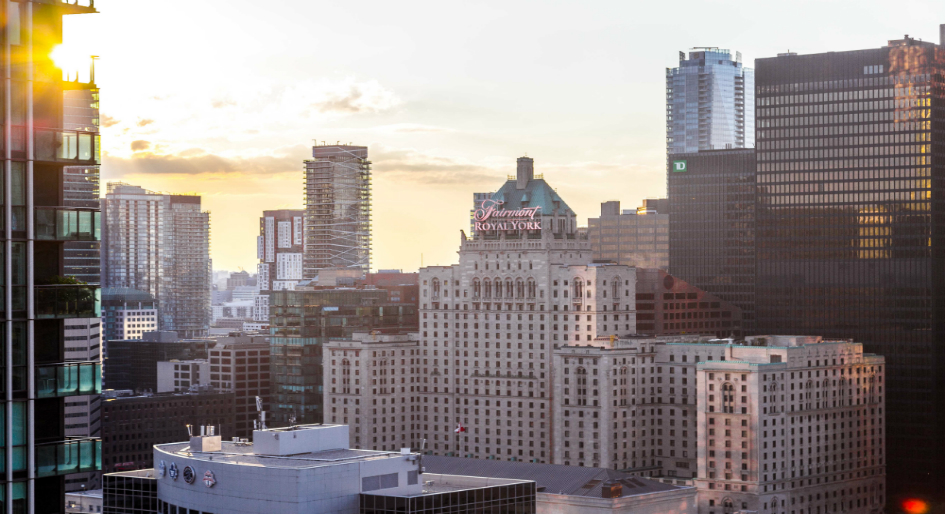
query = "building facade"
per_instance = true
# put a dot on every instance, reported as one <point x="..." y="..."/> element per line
<point x="709" y="102"/>
<point x="160" y="244"/>
<point x="301" y="322"/>
<point x="337" y="209"/>
<point x="39" y="294"/>
<point x="637" y="237"/>
<point x="667" y="305"/>
<point x="127" y="313"/>
<point x="738" y="417"/>
<point x="240" y="364"/>
<point x="81" y="183"/>
<point x="180" y="376"/>
<point x="133" y="363"/>
<point x="850" y="223"/>
<point x="279" y="248"/>
<point x="712" y="198"/>
<point x="83" y="414"/>
<point x="132" y="425"/>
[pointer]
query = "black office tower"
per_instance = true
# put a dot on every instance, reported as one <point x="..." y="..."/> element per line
<point x="850" y="234"/>
<point x="711" y="224"/>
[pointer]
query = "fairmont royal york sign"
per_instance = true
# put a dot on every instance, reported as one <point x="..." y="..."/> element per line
<point x="491" y="216"/>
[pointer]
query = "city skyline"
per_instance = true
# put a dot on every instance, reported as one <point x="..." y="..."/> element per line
<point x="434" y="132"/>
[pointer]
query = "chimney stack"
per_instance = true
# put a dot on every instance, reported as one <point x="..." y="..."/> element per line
<point x="525" y="172"/>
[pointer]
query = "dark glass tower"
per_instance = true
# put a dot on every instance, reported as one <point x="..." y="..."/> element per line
<point x="81" y="183"/>
<point x="37" y="296"/>
<point x="851" y="227"/>
<point x="711" y="224"/>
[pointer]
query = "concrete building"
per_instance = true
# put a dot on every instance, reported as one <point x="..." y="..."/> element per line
<point x="160" y="244"/>
<point x="177" y="376"/>
<point x="310" y="468"/>
<point x="638" y="237"/>
<point x="767" y="424"/>
<point x="132" y="425"/>
<point x="337" y="209"/>
<point x="279" y="248"/>
<point x="130" y="492"/>
<point x="667" y="305"/>
<point x="84" y="501"/>
<point x="125" y="312"/>
<point x="241" y="310"/>
<point x="240" y="364"/>
<point x="710" y="102"/>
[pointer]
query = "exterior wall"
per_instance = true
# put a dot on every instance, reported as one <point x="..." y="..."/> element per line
<point x="179" y="376"/>
<point x="117" y="305"/>
<point x="667" y="305"/>
<point x="631" y="238"/>
<point x="280" y="247"/>
<point x="243" y="369"/>
<point x="709" y="411"/>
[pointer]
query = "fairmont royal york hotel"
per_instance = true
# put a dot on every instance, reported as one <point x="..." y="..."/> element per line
<point x="528" y="350"/>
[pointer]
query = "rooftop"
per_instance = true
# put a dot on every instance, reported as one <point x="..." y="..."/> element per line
<point x="549" y="478"/>
<point x="242" y="454"/>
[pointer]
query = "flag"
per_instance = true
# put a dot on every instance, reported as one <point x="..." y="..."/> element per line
<point x="459" y="428"/>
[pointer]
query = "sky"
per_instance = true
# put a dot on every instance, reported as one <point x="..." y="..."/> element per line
<point x="225" y="98"/>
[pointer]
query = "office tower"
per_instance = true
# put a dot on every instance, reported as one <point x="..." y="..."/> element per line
<point x="709" y="102"/>
<point x="132" y="424"/>
<point x="337" y="209"/>
<point x="132" y="363"/>
<point x="525" y="284"/>
<point x="740" y="418"/>
<point x="850" y="223"/>
<point x="236" y="279"/>
<point x="240" y="364"/>
<point x="38" y="296"/>
<point x="638" y="237"/>
<point x="301" y="322"/>
<point x="127" y="313"/>
<point x="712" y="224"/>
<point x="160" y="244"/>
<point x="81" y="183"/>
<point x="668" y="305"/>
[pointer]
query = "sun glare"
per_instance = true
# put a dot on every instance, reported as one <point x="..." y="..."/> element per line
<point x="68" y="59"/>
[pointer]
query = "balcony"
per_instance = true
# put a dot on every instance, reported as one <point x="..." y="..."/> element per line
<point x="67" y="301"/>
<point x="68" y="224"/>
<point x="74" y="455"/>
<point x="68" y="147"/>
<point x="68" y="379"/>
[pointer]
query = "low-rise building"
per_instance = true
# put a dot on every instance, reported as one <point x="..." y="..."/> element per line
<point x="84" y="501"/>
<point x="240" y="364"/>
<point x="182" y="375"/>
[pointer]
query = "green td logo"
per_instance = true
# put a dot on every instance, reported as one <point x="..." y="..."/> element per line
<point x="679" y="166"/>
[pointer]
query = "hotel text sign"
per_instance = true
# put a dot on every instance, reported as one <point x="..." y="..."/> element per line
<point x="491" y="216"/>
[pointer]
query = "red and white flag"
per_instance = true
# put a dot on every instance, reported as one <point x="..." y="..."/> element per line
<point x="459" y="428"/>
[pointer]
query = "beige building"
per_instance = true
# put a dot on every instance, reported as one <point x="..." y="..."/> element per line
<point x="768" y="424"/>
<point x="637" y="237"/>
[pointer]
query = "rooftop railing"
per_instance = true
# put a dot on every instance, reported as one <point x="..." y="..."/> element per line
<point x="68" y="379"/>
<point x="74" y="455"/>
<point x="68" y="224"/>
<point x="67" y="146"/>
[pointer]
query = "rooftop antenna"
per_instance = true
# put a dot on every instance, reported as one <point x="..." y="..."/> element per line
<point x="92" y="70"/>
<point x="262" y="414"/>
<point x="190" y="430"/>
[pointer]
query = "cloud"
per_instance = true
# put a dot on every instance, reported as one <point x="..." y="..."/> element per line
<point x="220" y="103"/>
<point x="144" y="122"/>
<point x="407" y="164"/>
<point x="139" y="145"/>
<point x="349" y="97"/>
<point x="195" y="161"/>
<point x="108" y="121"/>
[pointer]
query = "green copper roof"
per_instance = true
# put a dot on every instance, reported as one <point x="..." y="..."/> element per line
<point x="536" y="193"/>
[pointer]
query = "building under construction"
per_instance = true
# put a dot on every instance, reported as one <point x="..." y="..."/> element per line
<point x="337" y="209"/>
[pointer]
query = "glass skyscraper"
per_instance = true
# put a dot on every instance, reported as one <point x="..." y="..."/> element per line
<point x="850" y="233"/>
<point x="709" y="102"/>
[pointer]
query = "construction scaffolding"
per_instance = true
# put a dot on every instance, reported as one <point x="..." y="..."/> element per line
<point x="337" y="209"/>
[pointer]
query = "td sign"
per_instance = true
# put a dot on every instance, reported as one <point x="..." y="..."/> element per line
<point x="679" y="166"/>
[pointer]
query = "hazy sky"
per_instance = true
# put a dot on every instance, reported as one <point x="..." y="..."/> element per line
<point x="224" y="98"/>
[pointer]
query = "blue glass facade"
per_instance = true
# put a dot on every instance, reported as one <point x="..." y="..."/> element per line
<point x="710" y="102"/>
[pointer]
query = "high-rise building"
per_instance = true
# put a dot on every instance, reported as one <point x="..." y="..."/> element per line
<point x="127" y="313"/>
<point x="81" y="183"/>
<point x="712" y="224"/>
<point x="337" y="209"/>
<point x="739" y="418"/>
<point x="525" y="284"/>
<point x="160" y="244"/>
<point x="301" y="322"/>
<point x="39" y="296"/>
<point x="709" y="102"/>
<point x="638" y="237"/>
<point x="280" y="248"/>
<point x="851" y="224"/>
